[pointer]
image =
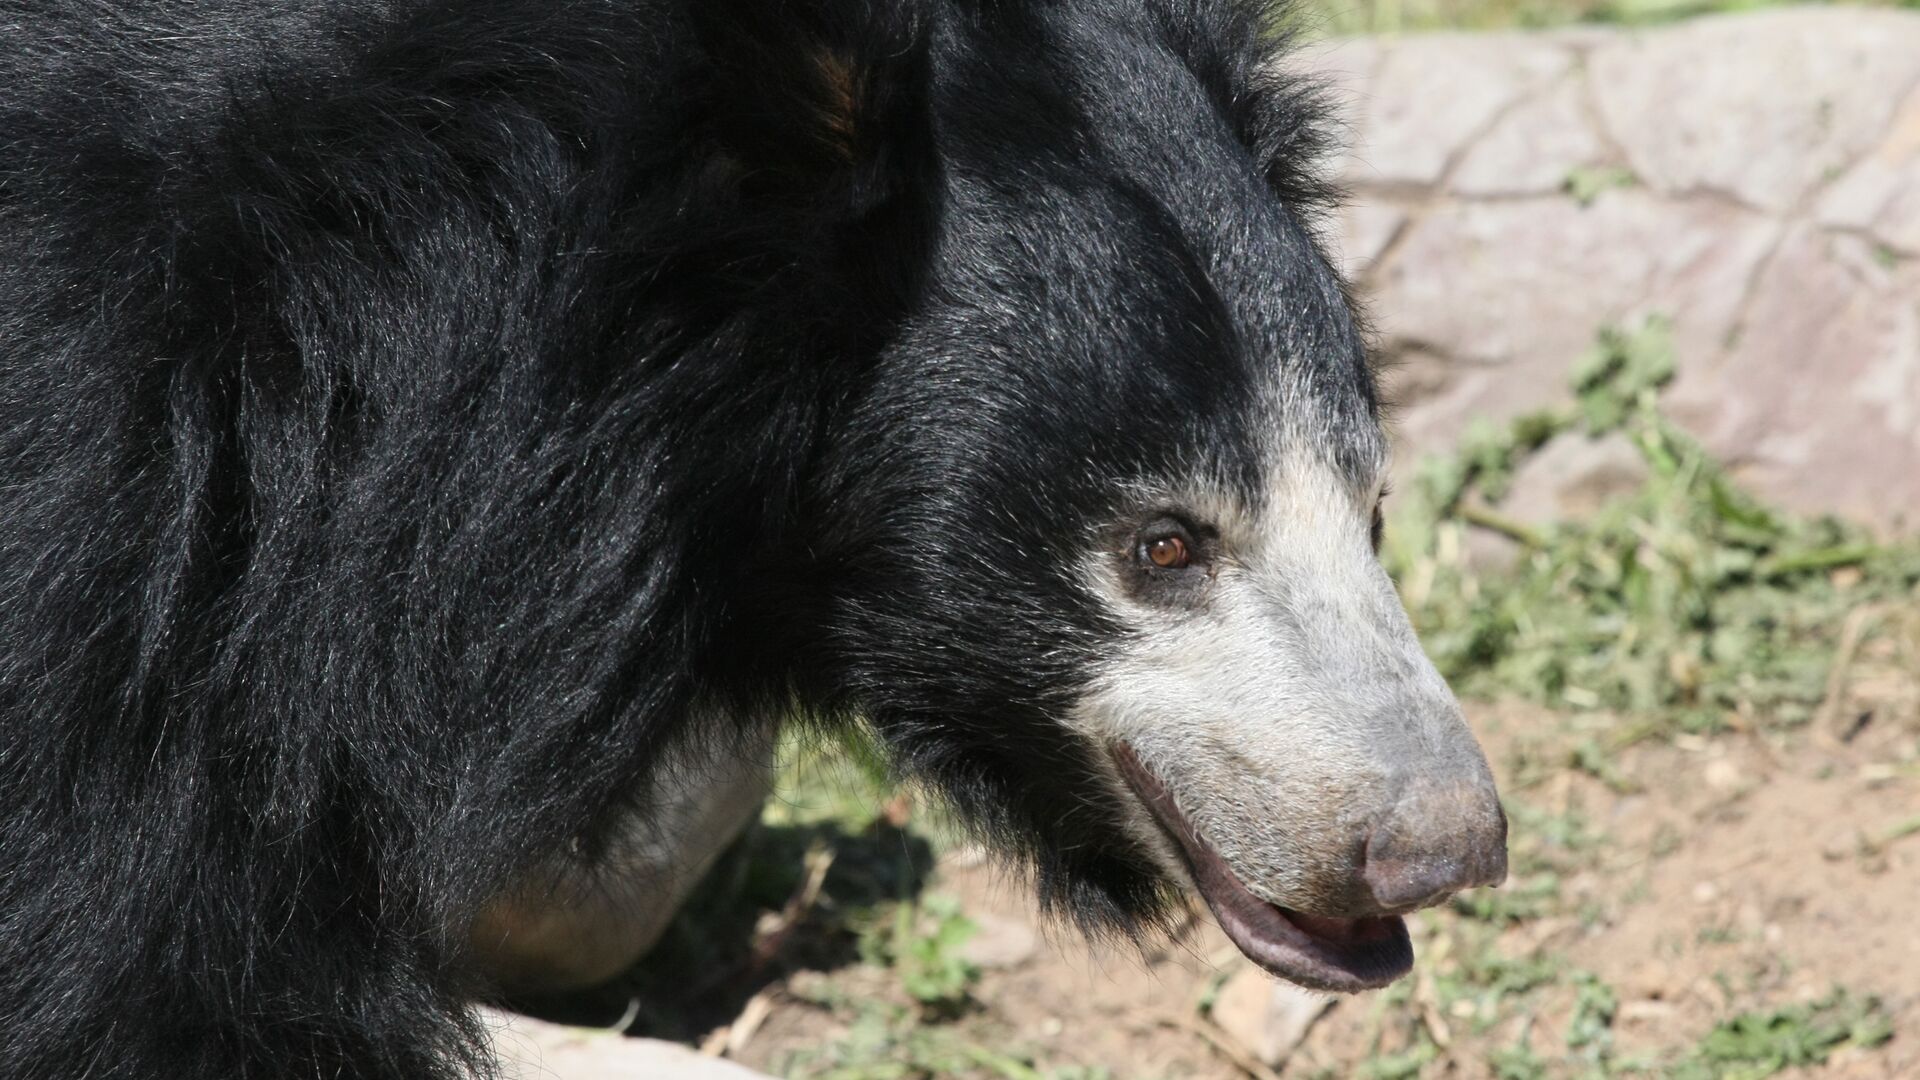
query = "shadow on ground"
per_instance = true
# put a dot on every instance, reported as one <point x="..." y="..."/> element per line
<point x="756" y="918"/>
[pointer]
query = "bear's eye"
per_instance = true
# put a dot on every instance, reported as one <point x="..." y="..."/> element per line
<point x="1171" y="561"/>
<point x="1168" y="553"/>
<point x="1165" y="545"/>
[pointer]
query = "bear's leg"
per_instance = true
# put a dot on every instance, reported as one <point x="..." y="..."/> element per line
<point x="578" y="923"/>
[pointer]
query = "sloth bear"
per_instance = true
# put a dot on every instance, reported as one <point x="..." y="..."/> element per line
<point x="423" y="422"/>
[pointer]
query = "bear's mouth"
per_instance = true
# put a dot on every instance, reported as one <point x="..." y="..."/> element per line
<point x="1315" y="951"/>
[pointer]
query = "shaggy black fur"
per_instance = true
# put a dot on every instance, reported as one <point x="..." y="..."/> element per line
<point x="409" y="410"/>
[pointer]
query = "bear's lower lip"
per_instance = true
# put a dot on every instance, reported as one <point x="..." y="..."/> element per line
<point x="1315" y="951"/>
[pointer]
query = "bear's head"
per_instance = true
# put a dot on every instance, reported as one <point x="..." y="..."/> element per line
<point x="1093" y="539"/>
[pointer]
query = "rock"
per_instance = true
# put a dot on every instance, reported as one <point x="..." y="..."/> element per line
<point x="1798" y="344"/>
<point x="1762" y="107"/>
<point x="1527" y="282"/>
<point x="1881" y="194"/>
<point x="1000" y="942"/>
<point x="1722" y="775"/>
<point x="1369" y="227"/>
<point x="1435" y="93"/>
<point x="1798" y="350"/>
<point x="1267" y="1018"/>
<point x="1817" y="405"/>
<point x="532" y="1049"/>
<point x="1534" y="148"/>
<point x="1572" y="477"/>
<point x="1511" y="293"/>
<point x="1645" y="1012"/>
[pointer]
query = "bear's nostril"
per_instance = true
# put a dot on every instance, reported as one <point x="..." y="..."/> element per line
<point x="1416" y="882"/>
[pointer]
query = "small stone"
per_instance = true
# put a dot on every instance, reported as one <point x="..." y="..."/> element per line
<point x="1877" y="774"/>
<point x="1646" y="1012"/>
<point x="1267" y="1018"/>
<point x="1240" y="1008"/>
<point x="1706" y="893"/>
<point x="1722" y="774"/>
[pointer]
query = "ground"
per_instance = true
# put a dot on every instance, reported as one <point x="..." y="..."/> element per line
<point x="1702" y="880"/>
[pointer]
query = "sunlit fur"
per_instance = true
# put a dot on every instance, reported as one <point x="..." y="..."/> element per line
<point x="409" y="411"/>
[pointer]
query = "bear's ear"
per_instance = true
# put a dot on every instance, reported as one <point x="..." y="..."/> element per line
<point x="820" y="103"/>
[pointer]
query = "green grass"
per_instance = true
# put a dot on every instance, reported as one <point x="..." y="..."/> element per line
<point x="1688" y="605"/>
<point x="922" y="944"/>
<point x="1587" y="183"/>
<point x="1468" y="965"/>
<point x="1755" y="1045"/>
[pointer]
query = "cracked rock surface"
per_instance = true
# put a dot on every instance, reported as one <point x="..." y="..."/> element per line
<point x="1755" y="177"/>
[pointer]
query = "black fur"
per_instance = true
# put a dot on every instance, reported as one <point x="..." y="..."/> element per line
<point x="409" y="410"/>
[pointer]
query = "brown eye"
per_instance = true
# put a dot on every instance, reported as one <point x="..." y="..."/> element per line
<point x="1168" y="553"/>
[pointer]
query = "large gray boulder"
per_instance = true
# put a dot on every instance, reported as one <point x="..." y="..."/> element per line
<point x="1754" y="177"/>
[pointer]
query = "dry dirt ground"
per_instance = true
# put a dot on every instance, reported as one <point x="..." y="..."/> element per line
<point x="1687" y="883"/>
